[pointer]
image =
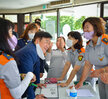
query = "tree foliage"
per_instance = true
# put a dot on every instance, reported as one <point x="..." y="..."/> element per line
<point x="78" y="23"/>
<point x="75" y="24"/>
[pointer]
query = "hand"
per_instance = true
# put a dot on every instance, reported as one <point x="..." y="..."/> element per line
<point x="79" y="85"/>
<point x="63" y="84"/>
<point x="104" y="77"/>
<point x="33" y="79"/>
<point x="59" y="79"/>
<point x="95" y="73"/>
<point x="40" y="85"/>
<point x="50" y="47"/>
<point x="41" y="96"/>
<point x="22" y="75"/>
<point x="70" y="87"/>
<point x="61" y="44"/>
<point x="51" y="44"/>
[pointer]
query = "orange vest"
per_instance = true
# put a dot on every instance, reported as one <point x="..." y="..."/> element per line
<point x="4" y="91"/>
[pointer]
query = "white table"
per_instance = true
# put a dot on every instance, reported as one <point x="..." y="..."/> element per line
<point x="62" y="94"/>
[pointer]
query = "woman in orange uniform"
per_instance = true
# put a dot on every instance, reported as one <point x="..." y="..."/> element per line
<point x="11" y="86"/>
<point x="96" y="53"/>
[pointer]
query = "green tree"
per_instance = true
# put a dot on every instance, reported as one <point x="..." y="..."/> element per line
<point x="78" y="23"/>
<point x="66" y="20"/>
<point x="75" y="24"/>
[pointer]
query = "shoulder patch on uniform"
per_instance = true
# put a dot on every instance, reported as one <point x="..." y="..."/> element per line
<point x="7" y="56"/>
<point x="82" y="50"/>
<point x="80" y="57"/>
<point x="105" y="39"/>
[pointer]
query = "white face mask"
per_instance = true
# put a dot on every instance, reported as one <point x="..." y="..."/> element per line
<point x="31" y="35"/>
<point x="69" y="43"/>
<point x="40" y="52"/>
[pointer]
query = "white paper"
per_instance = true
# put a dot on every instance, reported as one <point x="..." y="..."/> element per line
<point x="84" y="92"/>
<point x="81" y="92"/>
<point x="50" y="91"/>
<point x="51" y="86"/>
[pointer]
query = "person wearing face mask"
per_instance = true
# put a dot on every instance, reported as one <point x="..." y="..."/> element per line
<point x="29" y="58"/>
<point x="57" y="58"/>
<point x="38" y="24"/>
<point x="96" y="53"/>
<point x="12" y="41"/>
<point x="11" y="86"/>
<point x="76" y="57"/>
<point x="27" y="35"/>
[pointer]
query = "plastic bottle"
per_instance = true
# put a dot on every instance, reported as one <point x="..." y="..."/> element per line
<point x="73" y="93"/>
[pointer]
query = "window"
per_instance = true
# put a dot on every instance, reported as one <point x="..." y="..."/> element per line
<point x="34" y="16"/>
<point x="1" y="16"/>
<point x="105" y="10"/>
<point x="12" y="18"/>
<point x="27" y="18"/>
<point x="72" y="18"/>
<point x="48" y="22"/>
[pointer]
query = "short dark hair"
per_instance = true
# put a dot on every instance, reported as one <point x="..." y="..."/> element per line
<point x="97" y="25"/>
<point x="37" y="20"/>
<point x="41" y="34"/>
<point x="76" y="35"/>
<point x="38" y="23"/>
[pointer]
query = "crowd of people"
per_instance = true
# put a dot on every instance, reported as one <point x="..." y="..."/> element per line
<point x="23" y="60"/>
